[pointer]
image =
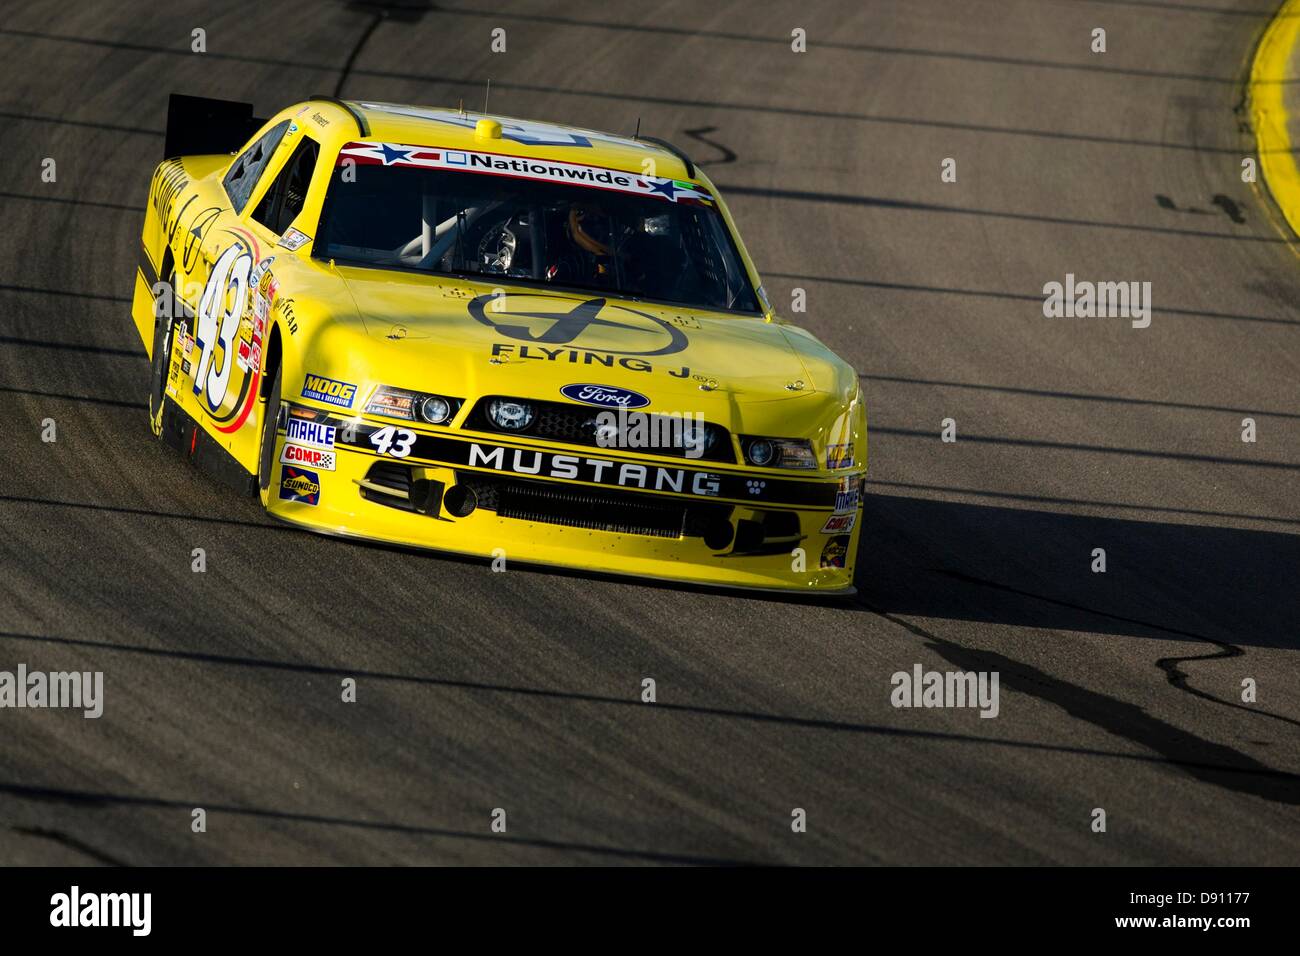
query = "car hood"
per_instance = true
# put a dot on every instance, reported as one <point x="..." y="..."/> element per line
<point x="562" y="337"/>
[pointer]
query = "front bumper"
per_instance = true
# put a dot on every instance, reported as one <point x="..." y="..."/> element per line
<point x="588" y="509"/>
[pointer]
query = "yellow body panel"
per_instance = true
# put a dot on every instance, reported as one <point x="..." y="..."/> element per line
<point x="353" y="329"/>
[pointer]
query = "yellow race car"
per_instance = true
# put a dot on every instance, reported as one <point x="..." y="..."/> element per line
<point x="493" y="337"/>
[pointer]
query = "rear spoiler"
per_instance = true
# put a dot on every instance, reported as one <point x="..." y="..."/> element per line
<point x="198" y="126"/>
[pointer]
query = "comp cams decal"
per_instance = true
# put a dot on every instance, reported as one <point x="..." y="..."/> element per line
<point x="304" y="455"/>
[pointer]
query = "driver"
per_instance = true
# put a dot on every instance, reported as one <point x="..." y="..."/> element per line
<point x="588" y="230"/>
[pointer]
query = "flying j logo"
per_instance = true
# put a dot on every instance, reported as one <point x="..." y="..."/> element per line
<point x="315" y="457"/>
<point x="328" y="390"/>
<point x="299" y="484"/>
<point x="563" y="320"/>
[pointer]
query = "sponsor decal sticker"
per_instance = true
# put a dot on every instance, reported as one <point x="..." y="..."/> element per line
<point x="293" y="240"/>
<point x="312" y="433"/>
<point x="329" y="390"/>
<point x="836" y="552"/>
<point x="313" y="457"/>
<point x="595" y="470"/>
<point x="839" y="456"/>
<point x="523" y="167"/>
<point x="299" y="484"/>
<point x="839" y="524"/>
<point x="848" y="496"/>
<point x="605" y="396"/>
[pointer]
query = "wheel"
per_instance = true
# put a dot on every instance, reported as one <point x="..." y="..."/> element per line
<point x="270" y="421"/>
<point x="164" y="324"/>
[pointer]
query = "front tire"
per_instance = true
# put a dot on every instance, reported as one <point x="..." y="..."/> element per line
<point x="270" y="424"/>
<point x="163" y="327"/>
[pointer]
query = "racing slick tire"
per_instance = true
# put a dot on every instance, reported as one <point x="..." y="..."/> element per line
<point x="266" y="453"/>
<point x="164" y="323"/>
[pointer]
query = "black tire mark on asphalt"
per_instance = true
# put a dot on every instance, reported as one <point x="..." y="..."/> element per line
<point x="728" y="154"/>
<point x="579" y="697"/>
<point x="828" y="44"/>
<point x="1097" y="449"/>
<point x="83" y="798"/>
<point x="906" y="205"/>
<point x="1075" y="396"/>
<point x="1012" y="296"/>
<point x="671" y="101"/>
<point x="1088" y="502"/>
<point x="114" y="402"/>
<point x="1169" y="665"/>
<point x="1178" y="678"/>
<point x="1230" y="207"/>
<point x="1120" y="718"/>
<point x="72" y="347"/>
<point x="147" y="513"/>
<point x="377" y="18"/>
<point x="57" y="836"/>
<point x="33" y="290"/>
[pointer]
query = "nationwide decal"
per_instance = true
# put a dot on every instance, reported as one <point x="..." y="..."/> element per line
<point x="839" y="456"/>
<point x="303" y="455"/>
<point x="523" y="167"/>
<point x="301" y="485"/>
<point x="328" y="390"/>
<point x="605" y="396"/>
<point x="313" y="433"/>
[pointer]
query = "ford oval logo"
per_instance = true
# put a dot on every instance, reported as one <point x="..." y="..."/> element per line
<point x="605" y="396"/>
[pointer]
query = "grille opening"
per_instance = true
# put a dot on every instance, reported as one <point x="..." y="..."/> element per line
<point x="395" y="485"/>
<point x="596" y="510"/>
<point x="576" y="425"/>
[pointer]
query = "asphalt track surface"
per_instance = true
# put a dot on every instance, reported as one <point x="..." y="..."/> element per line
<point x="520" y="690"/>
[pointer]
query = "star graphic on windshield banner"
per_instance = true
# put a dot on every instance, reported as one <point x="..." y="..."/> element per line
<point x="666" y="187"/>
<point x="392" y="154"/>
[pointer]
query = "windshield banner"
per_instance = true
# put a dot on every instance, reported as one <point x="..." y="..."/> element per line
<point x="522" y="167"/>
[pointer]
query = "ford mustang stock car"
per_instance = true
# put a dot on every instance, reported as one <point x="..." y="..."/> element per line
<point x="483" y="335"/>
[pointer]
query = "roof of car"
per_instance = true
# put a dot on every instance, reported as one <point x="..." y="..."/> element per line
<point x="459" y="129"/>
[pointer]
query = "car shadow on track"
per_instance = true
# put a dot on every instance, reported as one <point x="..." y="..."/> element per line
<point x="1032" y="568"/>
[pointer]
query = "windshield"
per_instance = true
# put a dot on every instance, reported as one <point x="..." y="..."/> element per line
<point x="522" y="220"/>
